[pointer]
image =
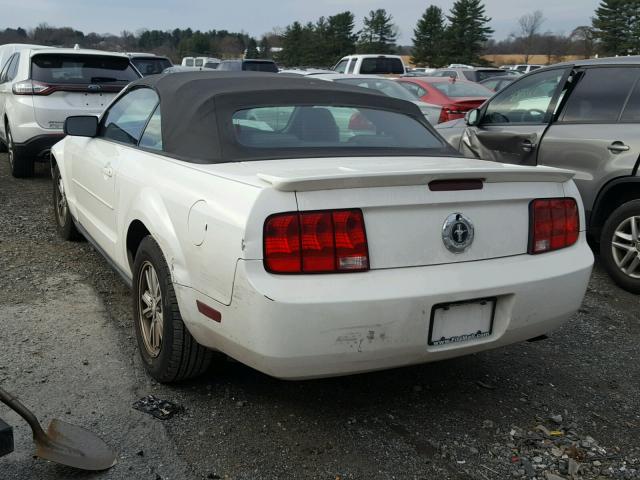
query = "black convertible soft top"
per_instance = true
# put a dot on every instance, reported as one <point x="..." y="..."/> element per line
<point x="197" y="110"/>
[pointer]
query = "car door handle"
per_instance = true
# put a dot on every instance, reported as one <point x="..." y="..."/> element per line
<point x="528" y="145"/>
<point x="618" y="147"/>
<point x="108" y="171"/>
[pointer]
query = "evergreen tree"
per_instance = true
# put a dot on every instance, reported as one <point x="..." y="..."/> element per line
<point x="468" y="31"/>
<point x="617" y="26"/>
<point x="291" y="54"/>
<point x="341" y="38"/>
<point x="252" y="49"/>
<point x="429" y="39"/>
<point x="379" y="33"/>
<point x="265" y="48"/>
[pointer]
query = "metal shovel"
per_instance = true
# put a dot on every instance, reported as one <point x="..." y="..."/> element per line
<point x="64" y="443"/>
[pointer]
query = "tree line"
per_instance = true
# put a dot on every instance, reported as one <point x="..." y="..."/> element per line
<point x="462" y="35"/>
<point x="175" y="44"/>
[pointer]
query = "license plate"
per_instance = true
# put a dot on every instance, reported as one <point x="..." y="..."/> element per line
<point x="461" y="322"/>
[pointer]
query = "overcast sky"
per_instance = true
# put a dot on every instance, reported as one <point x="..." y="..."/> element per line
<point x="260" y="16"/>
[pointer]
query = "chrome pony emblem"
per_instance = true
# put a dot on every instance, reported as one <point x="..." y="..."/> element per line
<point x="457" y="233"/>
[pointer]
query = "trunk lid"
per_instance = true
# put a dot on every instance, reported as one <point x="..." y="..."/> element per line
<point x="466" y="104"/>
<point x="404" y="218"/>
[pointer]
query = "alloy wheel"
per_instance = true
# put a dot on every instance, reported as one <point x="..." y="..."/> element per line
<point x="150" y="309"/>
<point x="626" y="247"/>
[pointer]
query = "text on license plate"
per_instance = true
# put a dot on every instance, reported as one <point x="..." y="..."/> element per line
<point x="462" y="321"/>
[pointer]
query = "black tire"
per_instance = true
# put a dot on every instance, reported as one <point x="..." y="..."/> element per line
<point x="21" y="166"/>
<point x="64" y="222"/>
<point x="178" y="355"/>
<point x="618" y="221"/>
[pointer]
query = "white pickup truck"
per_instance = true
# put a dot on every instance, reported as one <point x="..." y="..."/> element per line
<point x="371" y="65"/>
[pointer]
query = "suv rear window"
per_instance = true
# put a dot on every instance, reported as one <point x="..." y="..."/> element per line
<point x="81" y="69"/>
<point x="330" y="127"/>
<point x="255" y="66"/>
<point x="150" y="66"/>
<point x="381" y="65"/>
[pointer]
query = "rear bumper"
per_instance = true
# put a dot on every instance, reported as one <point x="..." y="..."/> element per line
<point x="38" y="147"/>
<point x="324" y="325"/>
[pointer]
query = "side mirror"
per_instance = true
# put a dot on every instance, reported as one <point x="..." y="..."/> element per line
<point x="81" y="126"/>
<point x="472" y="117"/>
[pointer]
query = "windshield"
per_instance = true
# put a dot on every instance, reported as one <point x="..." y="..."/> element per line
<point x="458" y="89"/>
<point x="388" y="87"/>
<point x="150" y="66"/>
<point x="331" y="127"/>
<point x="81" y="69"/>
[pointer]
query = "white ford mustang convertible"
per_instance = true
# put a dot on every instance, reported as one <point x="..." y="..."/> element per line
<point x="311" y="229"/>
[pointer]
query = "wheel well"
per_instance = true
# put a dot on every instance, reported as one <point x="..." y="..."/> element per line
<point x="137" y="231"/>
<point x="610" y="199"/>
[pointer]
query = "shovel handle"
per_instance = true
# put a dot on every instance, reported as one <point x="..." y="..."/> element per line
<point x="14" y="404"/>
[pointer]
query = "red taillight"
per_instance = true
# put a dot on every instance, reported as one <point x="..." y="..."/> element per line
<point x="555" y="224"/>
<point x="282" y="243"/>
<point x="316" y="242"/>
<point x="31" y="87"/>
<point x="451" y="112"/>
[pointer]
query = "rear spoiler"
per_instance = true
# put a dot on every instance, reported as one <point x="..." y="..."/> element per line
<point x="301" y="182"/>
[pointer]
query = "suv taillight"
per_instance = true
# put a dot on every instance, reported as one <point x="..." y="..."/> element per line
<point x="31" y="87"/>
<point x="555" y="224"/>
<point x="325" y="241"/>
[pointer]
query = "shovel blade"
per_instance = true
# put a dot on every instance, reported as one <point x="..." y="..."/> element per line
<point x="74" y="446"/>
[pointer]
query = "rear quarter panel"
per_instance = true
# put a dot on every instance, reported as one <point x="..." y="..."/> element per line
<point x="198" y="219"/>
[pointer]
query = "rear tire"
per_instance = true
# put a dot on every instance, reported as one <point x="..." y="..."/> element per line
<point x="64" y="222"/>
<point x="21" y="166"/>
<point x="620" y="246"/>
<point x="168" y="351"/>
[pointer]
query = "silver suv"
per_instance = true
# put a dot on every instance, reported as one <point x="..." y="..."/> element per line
<point x="582" y="116"/>
<point x="41" y="87"/>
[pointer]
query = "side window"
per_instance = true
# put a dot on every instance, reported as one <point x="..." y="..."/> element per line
<point x="126" y="119"/>
<point x="3" y="72"/>
<point x="152" y="136"/>
<point x="525" y="101"/>
<point x="11" y="68"/>
<point x="600" y="95"/>
<point x="631" y="113"/>
<point x="352" y="66"/>
<point x="341" y="66"/>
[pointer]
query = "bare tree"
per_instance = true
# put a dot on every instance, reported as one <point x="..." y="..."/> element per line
<point x="530" y="25"/>
<point x="584" y="39"/>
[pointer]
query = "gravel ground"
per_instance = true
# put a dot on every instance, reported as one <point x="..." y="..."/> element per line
<point x="566" y="407"/>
